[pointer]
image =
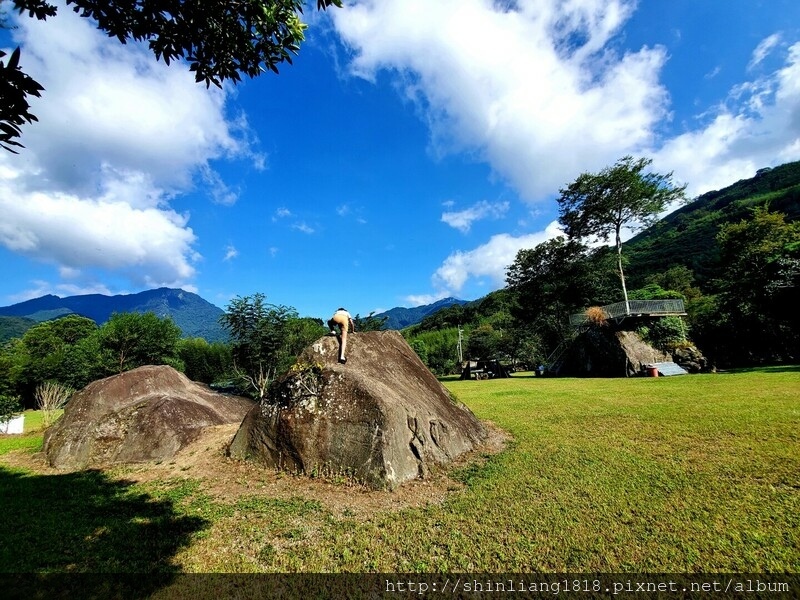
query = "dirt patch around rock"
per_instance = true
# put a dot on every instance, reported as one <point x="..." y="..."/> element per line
<point x="225" y="479"/>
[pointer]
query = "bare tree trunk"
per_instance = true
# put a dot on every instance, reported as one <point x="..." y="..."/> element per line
<point x="258" y="381"/>
<point x="621" y="273"/>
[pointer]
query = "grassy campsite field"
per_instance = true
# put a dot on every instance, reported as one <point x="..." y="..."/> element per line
<point x="683" y="474"/>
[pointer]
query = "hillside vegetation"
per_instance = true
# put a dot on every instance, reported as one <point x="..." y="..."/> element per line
<point x="732" y="255"/>
<point x="14" y="327"/>
<point x="687" y="236"/>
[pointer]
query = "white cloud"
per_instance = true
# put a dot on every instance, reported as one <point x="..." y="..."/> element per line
<point x="757" y="127"/>
<point x="463" y="219"/>
<point x="534" y="89"/>
<point x="282" y="213"/>
<point x="230" y="252"/>
<point x="119" y="136"/>
<point x="424" y="299"/>
<point x="303" y="227"/>
<point x="151" y="246"/>
<point x="218" y="190"/>
<point x="763" y="49"/>
<point x="540" y="91"/>
<point x="488" y="260"/>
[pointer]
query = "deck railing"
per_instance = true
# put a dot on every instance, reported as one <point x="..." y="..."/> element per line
<point x="635" y="308"/>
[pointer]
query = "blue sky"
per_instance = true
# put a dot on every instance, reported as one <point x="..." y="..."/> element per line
<point x="411" y="150"/>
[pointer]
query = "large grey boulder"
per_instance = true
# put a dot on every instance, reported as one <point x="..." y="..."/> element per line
<point x="602" y="351"/>
<point x="147" y="414"/>
<point x="382" y="417"/>
<point x="606" y="351"/>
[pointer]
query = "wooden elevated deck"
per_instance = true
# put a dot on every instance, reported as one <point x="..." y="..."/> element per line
<point x="635" y="308"/>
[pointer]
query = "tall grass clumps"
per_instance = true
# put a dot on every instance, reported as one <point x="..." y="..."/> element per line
<point x="51" y="396"/>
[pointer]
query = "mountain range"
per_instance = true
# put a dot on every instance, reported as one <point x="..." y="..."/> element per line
<point x="195" y="316"/>
<point x="399" y="318"/>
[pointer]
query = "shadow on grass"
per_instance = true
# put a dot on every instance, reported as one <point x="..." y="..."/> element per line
<point x="86" y="522"/>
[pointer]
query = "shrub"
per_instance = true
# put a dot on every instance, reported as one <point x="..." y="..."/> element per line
<point x="596" y="315"/>
<point x="666" y="333"/>
<point x="10" y="407"/>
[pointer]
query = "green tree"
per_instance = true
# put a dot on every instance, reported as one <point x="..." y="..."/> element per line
<point x="63" y="350"/>
<point x="599" y="205"/>
<point x="440" y="349"/>
<point x="653" y="291"/>
<point x="10" y="407"/>
<point x="758" y="288"/>
<point x="369" y="323"/>
<point x="552" y="280"/>
<point x="259" y="332"/>
<point x="11" y="367"/>
<point x="221" y="41"/>
<point x="483" y="342"/>
<point x="130" y="340"/>
<point x="205" y="362"/>
<point x="300" y="332"/>
<point x="678" y="278"/>
<point x="421" y="350"/>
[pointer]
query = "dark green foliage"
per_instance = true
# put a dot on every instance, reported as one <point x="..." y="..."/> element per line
<point x="554" y="279"/>
<point x="370" y="322"/>
<point x="204" y="362"/>
<point x="679" y="279"/>
<point x="759" y="291"/>
<point x="437" y="349"/>
<point x="487" y="329"/>
<point x="300" y="332"/>
<point x="221" y="41"/>
<point x="15" y="88"/>
<point x="10" y="407"/>
<point x="65" y="350"/>
<point x="653" y="291"/>
<point x="483" y="342"/>
<point x="665" y="333"/>
<point x="687" y="236"/>
<point x="73" y="351"/>
<point x="421" y="349"/>
<point x="14" y="327"/>
<point x="261" y="335"/>
<point x="130" y="340"/>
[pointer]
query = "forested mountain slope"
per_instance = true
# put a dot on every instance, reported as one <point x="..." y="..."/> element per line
<point x="688" y="236"/>
<point x="195" y="316"/>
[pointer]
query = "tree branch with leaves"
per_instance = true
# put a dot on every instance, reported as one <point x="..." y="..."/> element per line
<point x="600" y="205"/>
<point x="221" y="41"/>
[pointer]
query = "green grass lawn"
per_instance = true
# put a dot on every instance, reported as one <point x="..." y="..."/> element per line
<point x="698" y="473"/>
<point x="31" y="438"/>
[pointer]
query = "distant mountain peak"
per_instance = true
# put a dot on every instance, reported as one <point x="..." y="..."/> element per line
<point x="195" y="316"/>
<point x="401" y="317"/>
